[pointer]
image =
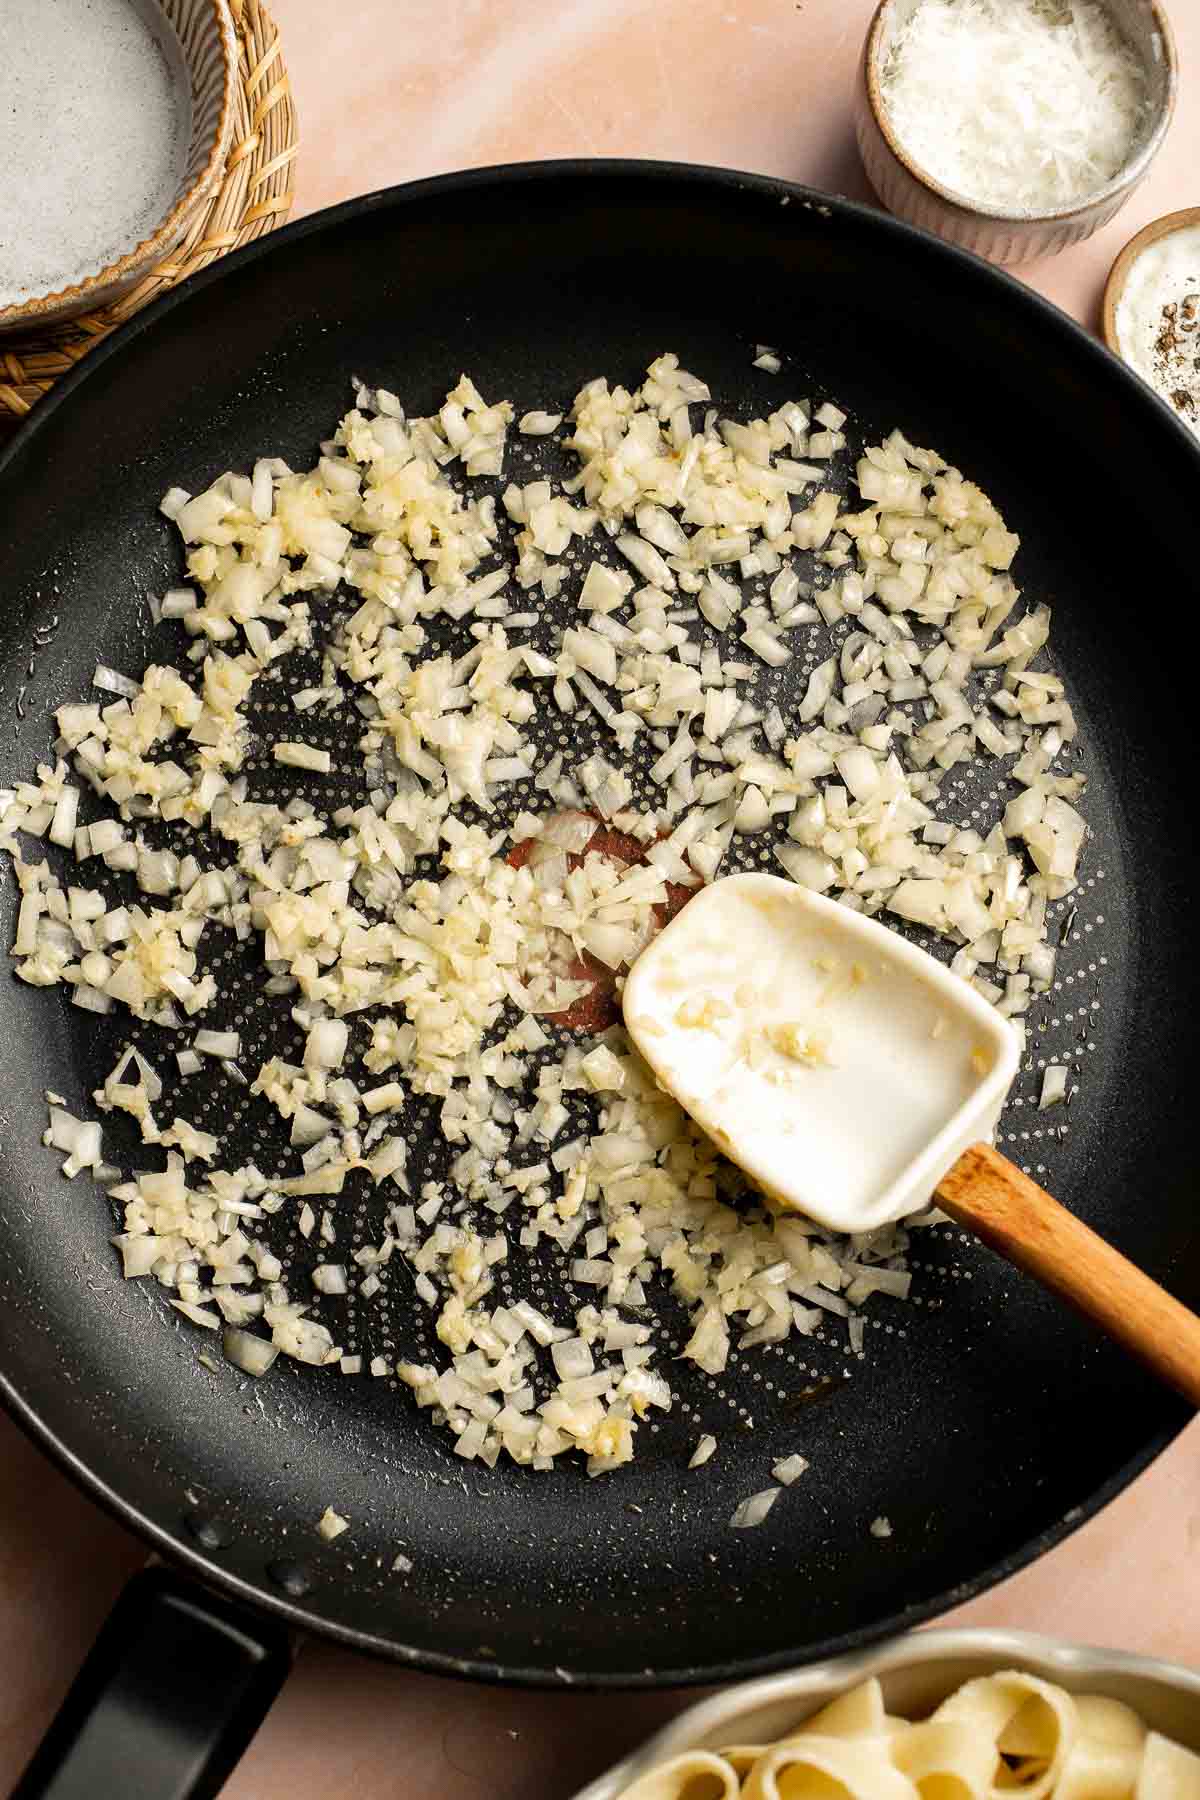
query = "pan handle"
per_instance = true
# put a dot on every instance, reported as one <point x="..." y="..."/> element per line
<point x="172" y="1691"/>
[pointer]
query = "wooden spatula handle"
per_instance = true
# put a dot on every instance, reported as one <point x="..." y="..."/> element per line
<point x="1012" y="1214"/>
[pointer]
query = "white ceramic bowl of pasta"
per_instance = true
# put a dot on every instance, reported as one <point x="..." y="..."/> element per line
<point x="916" y="1673"/>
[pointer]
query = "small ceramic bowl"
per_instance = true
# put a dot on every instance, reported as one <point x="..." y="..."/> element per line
<point x="917" y="1673"/>
<point x="201" y="49"/>
<point x="1153" y="233"/>
<point x="1008" y="237"/>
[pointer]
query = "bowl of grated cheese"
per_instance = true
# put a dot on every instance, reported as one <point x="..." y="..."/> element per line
<point x="1013" y="128"/>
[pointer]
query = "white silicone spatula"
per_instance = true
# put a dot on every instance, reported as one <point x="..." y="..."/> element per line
<point x="856" y="1081"/>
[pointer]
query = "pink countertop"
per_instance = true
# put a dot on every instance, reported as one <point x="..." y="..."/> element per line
<point x="388" y="90"/>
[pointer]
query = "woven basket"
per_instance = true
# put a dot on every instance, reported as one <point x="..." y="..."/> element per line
<point x="254" y="196"/>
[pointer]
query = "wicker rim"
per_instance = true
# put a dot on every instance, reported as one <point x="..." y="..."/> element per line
<point x="253" y="194"/>
<point x="167" y="233"/>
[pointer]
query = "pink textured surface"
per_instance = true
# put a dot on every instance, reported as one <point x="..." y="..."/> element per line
<point x="388" y="90"/>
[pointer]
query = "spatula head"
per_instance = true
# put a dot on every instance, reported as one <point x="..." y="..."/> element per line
<point x="843" y="1068"/>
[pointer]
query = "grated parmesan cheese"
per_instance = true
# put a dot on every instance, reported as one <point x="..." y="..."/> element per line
<point x="331" y="1524"/>
<point x="1017" y="105"/>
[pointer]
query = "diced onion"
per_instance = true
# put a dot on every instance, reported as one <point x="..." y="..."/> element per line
<point x="252" y="1355"/>
<point x="789" y="1469"/>
<point x="753" y="1511"/>
<point x="400" y="908"/>
<point x="112" y="682"/>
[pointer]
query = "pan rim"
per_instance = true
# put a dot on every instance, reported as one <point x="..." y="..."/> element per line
<point x="647" y="169"/>
<point x="25" y="1414"/>
<point x="300" y="1618"/>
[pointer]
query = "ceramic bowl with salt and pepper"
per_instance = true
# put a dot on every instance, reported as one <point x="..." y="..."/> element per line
<point x="1152" y="310"/>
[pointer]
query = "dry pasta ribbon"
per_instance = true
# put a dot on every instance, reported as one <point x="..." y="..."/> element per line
<point x="1000" y="1736"/>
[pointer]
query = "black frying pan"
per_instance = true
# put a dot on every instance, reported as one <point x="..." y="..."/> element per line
<point x="985" y="1422"/>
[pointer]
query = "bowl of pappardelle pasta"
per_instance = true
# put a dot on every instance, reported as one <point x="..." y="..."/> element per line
<point x="939" y="1715"/>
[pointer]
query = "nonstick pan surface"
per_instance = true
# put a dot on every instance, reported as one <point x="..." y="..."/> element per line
<point x="984" y="1421"/>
